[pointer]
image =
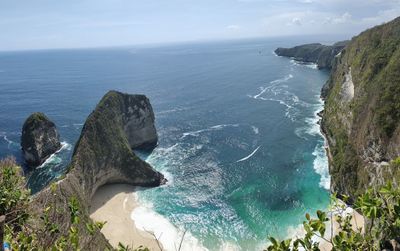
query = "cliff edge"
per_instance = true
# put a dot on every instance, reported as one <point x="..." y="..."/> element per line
<point x="362" y="111"/>
<point x="103" y="155"/>
<point x="322" y="55"/>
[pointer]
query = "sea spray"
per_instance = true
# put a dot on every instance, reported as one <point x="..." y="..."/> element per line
<point x="146" y="219"/>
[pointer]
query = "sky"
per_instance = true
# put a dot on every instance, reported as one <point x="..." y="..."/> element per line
<point x="48" y="24"/>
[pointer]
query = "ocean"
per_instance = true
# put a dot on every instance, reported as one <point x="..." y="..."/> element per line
<point x="238" y="135"/>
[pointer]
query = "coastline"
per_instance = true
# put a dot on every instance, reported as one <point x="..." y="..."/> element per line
<point x="114" y="204"/>
<point x="333" y="227"/>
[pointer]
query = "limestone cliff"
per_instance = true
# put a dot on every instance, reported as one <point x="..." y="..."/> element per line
<point x="322" y="55"/>
<point x="362" y="110"/>
<point x="103" y="155"/>
<point x="39" y="139"/>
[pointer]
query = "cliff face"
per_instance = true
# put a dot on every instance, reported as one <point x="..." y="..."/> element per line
<point x="362" y="110"/>
<point x="322" y="55"/>
<point x="104" y="155"/>
<point x="39" y="139"/>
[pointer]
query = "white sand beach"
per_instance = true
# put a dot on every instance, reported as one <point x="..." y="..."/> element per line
<point x="114" y="204"/>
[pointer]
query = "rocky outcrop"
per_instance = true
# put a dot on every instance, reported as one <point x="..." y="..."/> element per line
<point x="362" y="111"/>
<point x="39" y="139"/>
<point x="103" y="155"/>
<point x="322" y="55"/>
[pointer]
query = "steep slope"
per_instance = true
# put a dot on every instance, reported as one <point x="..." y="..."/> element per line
<point x="103" y="155"/>
<point x="362" y="110"/>
<point x="39" y="139"/>
<point x="322" y="55"/>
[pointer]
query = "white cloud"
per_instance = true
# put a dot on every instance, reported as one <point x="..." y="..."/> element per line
<point x="296" y="21"/>
<point x="344" y="18"/>
<point x="233" y="27"/>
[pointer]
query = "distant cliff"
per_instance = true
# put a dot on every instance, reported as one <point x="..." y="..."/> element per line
<point x="362" y="111"/>
<point x="322" y="55"/>
<point x="103" y="155"/>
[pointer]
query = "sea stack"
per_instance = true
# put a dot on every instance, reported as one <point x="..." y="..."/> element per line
<point x="103" y="155"/>
<point x="39" y="139"/>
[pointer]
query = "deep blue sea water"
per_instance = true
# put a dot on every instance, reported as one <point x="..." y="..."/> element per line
<point x="238" y="138"/>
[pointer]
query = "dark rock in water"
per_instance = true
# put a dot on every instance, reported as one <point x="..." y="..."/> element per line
<point x="322" y="55"/>
<point x="103" y="155"/>
<point x="39" y="139"/>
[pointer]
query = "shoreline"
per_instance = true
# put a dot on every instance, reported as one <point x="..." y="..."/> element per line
<point x="333" y="228"/>
<point x="115" y="204"/>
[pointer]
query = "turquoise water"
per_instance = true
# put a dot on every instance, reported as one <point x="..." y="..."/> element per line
<point x="237" y="126"/>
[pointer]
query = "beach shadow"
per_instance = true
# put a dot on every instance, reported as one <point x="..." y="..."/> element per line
<point x="106" y="192"/>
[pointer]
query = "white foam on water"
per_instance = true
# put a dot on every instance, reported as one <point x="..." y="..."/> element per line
<point x="304" y="64"/>
<point x="278" y="92"/>
<point x="171" y="111"/>
<point x="255" y="130"/>
<point x="229" y="246"/>
<point x="321" y="166"/>
<point x="54" y="159"/>
<point x="281" y="80"/>
<point x="146" y="219"/>
<point x="212" y="128"/>
<point x="10" y="142"/>
<point x="249" y="156"/>
<point x="274" y="83"/>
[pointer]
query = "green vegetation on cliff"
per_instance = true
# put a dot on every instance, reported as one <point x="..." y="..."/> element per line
<point x="362" y="111"/>
<point x="322" y="55"/>
<point x="103" y="155"/>
<point x="381" y="206"/>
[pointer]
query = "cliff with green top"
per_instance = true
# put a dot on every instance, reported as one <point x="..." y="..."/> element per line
<point x="59" y="214"/>
<point x="322" y="55"/>
<point x="362" y="111"/>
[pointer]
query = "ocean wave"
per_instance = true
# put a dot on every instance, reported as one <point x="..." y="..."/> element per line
<point x="146" y="219"/>
<point x="281" y="80"/>
<point x="274" y="83"/>
<point x="54" y="159"/>
<point x="249" y="156"/>
<point x="278" y="92"/>
<point x="309" y="65"/>
<point x="212" y="128"/>
<point x="171" y="111"/>
<point x="255" y="129"/>
<point x="312" y="127"/>
<point x="10" y="143"/>
<point x="321" y="166"/>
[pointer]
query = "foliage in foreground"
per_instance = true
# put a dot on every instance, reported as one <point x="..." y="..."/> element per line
<point x="22" y="227"/>
<point x="381" y="209"/>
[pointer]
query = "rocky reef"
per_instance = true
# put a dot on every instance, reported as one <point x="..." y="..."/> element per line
<point x="103" y="155"/>
<point x="362" y="111"/>
<point x="322" y="55"/>
<point x="39" y="139"/>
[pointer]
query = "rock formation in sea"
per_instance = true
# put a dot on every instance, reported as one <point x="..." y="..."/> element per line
<point x="104" y="155"/>
<point x="322" y="55"/>
<point x="362" y="111"/>
<point x="39" y="139"/>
